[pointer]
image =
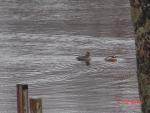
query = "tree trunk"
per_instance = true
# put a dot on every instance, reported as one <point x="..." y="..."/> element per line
<point x="140" y="12"/>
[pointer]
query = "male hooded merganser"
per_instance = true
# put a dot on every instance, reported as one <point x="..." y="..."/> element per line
<point x="111" y="59"/>
<point x="86" y="58"/>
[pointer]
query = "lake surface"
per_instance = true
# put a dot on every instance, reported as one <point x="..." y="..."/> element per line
<point x="39" y="43"/>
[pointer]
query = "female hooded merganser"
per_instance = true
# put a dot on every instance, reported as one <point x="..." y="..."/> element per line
<point x="111" y="59"/>
<point x="86" y="58"/>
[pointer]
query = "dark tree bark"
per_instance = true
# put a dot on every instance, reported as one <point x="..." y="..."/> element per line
<point x="140" y="11"/>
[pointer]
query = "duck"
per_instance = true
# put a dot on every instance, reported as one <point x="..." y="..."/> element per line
<point x="86" y="58"/>
<point x="111" y="58"/>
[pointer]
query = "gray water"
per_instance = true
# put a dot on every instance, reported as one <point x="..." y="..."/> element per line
<point x="39" y="42"/>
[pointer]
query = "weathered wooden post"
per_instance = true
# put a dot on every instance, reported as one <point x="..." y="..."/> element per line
<point x="22" y="98"/>
<point x="35" y="105"/>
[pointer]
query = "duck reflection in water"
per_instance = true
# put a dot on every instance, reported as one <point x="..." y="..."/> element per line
<point x="86" y="58"/>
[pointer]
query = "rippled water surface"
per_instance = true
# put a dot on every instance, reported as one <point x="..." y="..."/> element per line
<point x="39" y="43"/>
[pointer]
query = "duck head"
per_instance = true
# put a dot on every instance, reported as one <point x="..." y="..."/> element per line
<point x="87" y="54"/>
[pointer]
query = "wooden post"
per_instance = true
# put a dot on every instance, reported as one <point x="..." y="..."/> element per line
<point x="35" y="105"/>
<point x="22" y="98"/>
